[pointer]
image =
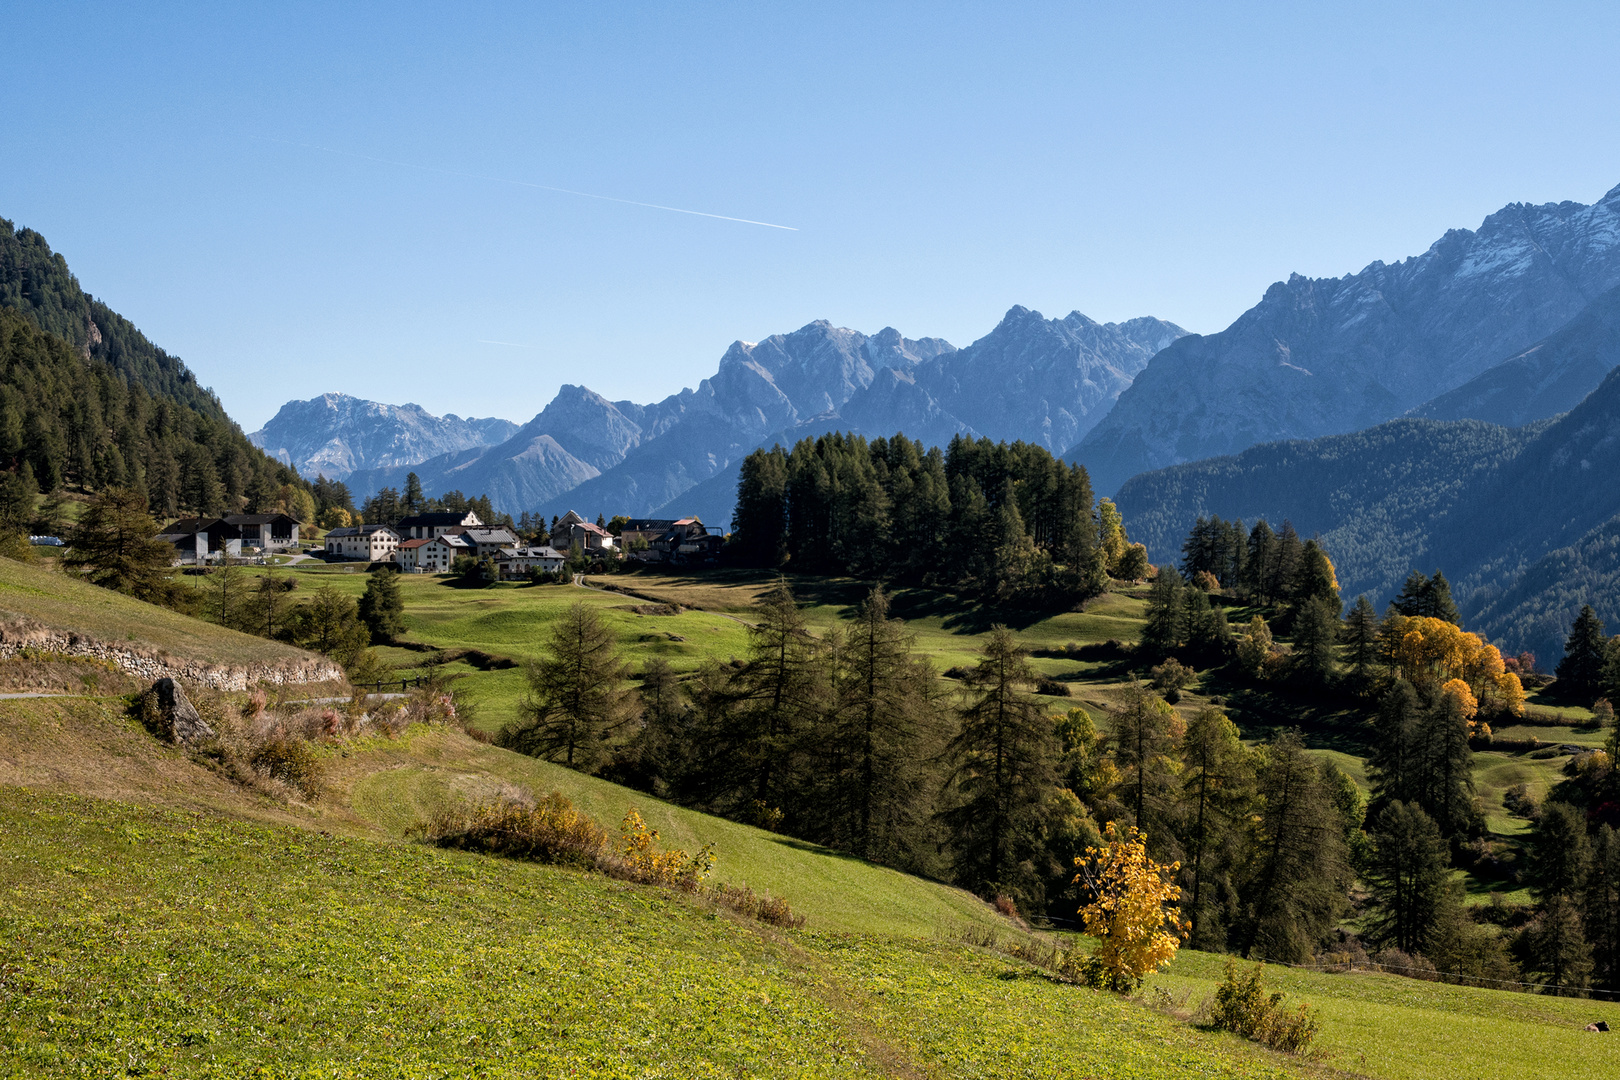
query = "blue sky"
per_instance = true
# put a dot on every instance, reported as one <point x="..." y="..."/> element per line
<point x="938" y="162"/>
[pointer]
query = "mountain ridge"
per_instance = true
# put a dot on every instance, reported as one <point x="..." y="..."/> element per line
<point x="1322" y="356"/>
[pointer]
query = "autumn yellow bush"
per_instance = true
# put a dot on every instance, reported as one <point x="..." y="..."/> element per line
<point x="1132" y="912"/>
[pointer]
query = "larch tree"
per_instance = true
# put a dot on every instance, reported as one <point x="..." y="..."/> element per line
<point x="114" y="545"/>
<point x="1216" y="785"/>
<point x="880" y="736"/>
<point x="577" y="694"/>
<point x="1580" y="672"/>
<point x="1299" y="873"/>
<point x="1143" y="745"/>
<point x="1002" y="767"/>
<point x="1408" y="877"/>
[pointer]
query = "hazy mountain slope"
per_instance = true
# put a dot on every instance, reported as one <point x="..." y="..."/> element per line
<point x="36" y="282"/>
<point x="335" y="435"/>
<point x="1525" y="522"/>
<point x="1324" y="356"/>
<point x="1375" y="497"/>
<point x="1550" y="377"/>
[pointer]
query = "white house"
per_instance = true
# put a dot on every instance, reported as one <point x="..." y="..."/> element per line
<point x="488" y="540"/>
<point x="372" y="543"/>
<point x="431" y="555"/>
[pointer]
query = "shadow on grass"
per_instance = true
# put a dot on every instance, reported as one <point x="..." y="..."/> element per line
<point x="1326" y="722"/>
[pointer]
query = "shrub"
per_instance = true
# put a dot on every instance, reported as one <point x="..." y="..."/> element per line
<point x="291" y="761"/>
<point x="1051" y="687"/>
<point x="1243" y="1006"/>
<point x="644" y="862"/>
<point x="767" y="909"/>
<point x="550" y="831"/>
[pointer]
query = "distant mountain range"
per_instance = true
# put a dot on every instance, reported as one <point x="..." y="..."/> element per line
<point x="335" y="434"/>
<point x="1524" y="521"/>
<point x="1042" y="380"/>
<point x="1321" y="356"/>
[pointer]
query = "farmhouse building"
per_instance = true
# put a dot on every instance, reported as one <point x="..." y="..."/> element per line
<point x="371" y="543"/>
<point x="431" y="555"/>
<point x="427" y="526"/>
<point x="515" y="563"/>
<point x="582" y="534"/>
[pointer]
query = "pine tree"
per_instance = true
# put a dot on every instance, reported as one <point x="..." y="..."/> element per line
<point x="1262" y="562"/>
<point x="760" y="521"/>
<point x="577" y="698"/>
<point x="1315" y="634"/>
<point x="1215" y="787"/>
<point x="1560" y="852"/>
<point x="880" y="737"/>
<point x="772" y="704"/>
<point x="1415" y="596"/>
<point x="414" y="502"/>
<point x="1408" y="877"/>
<point x="1359" y="636"/>
<point x="1558" y="949"/>
<point x="1394" y="764"/>
<point x="1316" y="581"/>
<point x="1580" y="672"/>
<point x="1166" y="614"/>
<point x="1142" y="747"/>
<point x="381" y="607"/>
<point x="330" y="623"/>
<point x="1601" y="907"/>
<point x="1290" y="557"/>
<point x="1440" y="603"/>
<point x="1446" y="789"/>
<point x="1298" y="874"/>
<point x="114" y="545"/>
<point x="1001" y="771"/>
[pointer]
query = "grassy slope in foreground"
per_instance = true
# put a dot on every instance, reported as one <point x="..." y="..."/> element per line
<point x="147" y="940"/>
<point x="60" y="602"/>
<point x="90" y="747"/>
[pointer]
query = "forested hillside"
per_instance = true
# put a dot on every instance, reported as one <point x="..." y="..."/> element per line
<point x="1522" y="520"/>
<point x="66" y="421"/>
<point x="36" y="282"/>
<point x="87" y="402"/>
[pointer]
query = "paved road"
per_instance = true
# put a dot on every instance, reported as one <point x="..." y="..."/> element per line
<point x="13" y="697"/>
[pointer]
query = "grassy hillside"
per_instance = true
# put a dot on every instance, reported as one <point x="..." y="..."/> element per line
<point x="61" y="602"/>
<point x="177" y="925"/>
<point x="145" y="940"/>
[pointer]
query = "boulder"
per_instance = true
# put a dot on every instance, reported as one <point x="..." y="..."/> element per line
<point x="1601" y="1025"/>
<point x="172" y="715"/>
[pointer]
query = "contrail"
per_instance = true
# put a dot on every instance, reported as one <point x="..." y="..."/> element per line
<point x="515" y="345"/>
<point x="519" y="183"/>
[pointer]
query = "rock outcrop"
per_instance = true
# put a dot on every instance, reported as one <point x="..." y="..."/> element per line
<point x="172" y="716"/>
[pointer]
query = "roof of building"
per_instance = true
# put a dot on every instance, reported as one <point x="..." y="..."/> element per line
<point x="530" y="553"/>
<point x="367" y="530"/>
<point x="259" y="519"/>
<point x="419" y="543"/>
<point x="648" y="525"/>
<point x="346" y="530"/>
<point x="588" y="527"/>
<point x="686" y="521"/>
<point x="490" y="534"/>
<point x="197" y="524"/>
<point x="438" y="519"/>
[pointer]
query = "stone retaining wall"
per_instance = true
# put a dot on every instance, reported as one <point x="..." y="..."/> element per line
<point x="18" y="639"/>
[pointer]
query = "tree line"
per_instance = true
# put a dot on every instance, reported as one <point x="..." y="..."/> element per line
<point x="1005" y="521"/>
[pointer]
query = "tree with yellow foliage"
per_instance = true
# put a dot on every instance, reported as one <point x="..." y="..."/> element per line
<point x="1132" y="911"/>
<point x="1432" y="653"/>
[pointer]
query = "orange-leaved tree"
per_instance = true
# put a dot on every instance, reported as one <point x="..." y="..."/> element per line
<point x="1434" y="653"/>
<point x="1132" y="911"/>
